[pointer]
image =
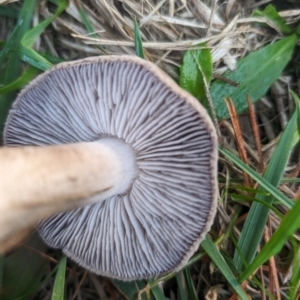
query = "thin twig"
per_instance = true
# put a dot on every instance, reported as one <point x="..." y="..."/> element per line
<point x="273" y="281"/>
<point x="239" y="138"/>
<point x="213" y="10"/>
<point x="262" y="278"/>
<point x="224" y="79"/>
<point x="48" y="257"/>
<point x="79" y="285"/>
<point x="255" y="133"/>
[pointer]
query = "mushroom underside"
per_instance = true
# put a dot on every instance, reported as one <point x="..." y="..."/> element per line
<point x="157" y="225"/>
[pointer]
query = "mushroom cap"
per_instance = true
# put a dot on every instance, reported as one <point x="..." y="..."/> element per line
<point x="158" y="224"/>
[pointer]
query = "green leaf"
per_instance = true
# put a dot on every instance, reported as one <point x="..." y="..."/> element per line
<point x="138" y="44"/>
<point x="219" y="261"/>
<point x="288" y="226"/>
<point x="196" y="71"/>
<point x="58" y="292"/>
<point x="272" y="16"/>
<point x="257" y="217"/>
<point x="254" y="74"/>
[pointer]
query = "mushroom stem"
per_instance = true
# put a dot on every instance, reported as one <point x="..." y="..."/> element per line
<point x="37" y="182"/>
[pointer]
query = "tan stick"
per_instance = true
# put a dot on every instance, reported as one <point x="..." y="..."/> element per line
<point x="37" y="182"/>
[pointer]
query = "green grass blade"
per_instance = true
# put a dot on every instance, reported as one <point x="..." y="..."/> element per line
<point x="138" y="44"/>
<point x="31" y="36"/>
<point x="243" y="198"/>
<point x="26" y="77"/>
<point x="189" y="284"/>
<point x="21" y="278"/>
<point x="297" y="101"/>
<point x="290" y="180"/>
<point x="139" y="288"/>
<point x="295" y="280"/>
<point x="53" y="59"/>
<point x="31" y="57"/>
<point x="58" y="292"/>
<point x="257" y="217"/>
<point x="257" y="177"/>
<point x="86" y="22"/>
<point x="180" y="284"/>
<point x="249" y="190"/>
<point x="26" y="52"/>
<point x="10" y="57"/>
<point x="219" y="261"/>
<point x="254" y="74"/>
<point x="35" y="288"/>
<point x="288" y="226"/>
<point x="88" y="25"/>
<point x="130" y="289"/>
<point x="157" y="293"/>
<point x="20" y="29"/>
<point x="297" y="31"/>
<point x="8" y="12"/>
<point x="272" y="16"/>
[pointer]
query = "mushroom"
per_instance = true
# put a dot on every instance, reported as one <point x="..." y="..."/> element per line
<point x="157" y="199"/>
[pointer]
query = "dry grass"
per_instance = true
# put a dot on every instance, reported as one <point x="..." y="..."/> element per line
<point x="168" y="28"/>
